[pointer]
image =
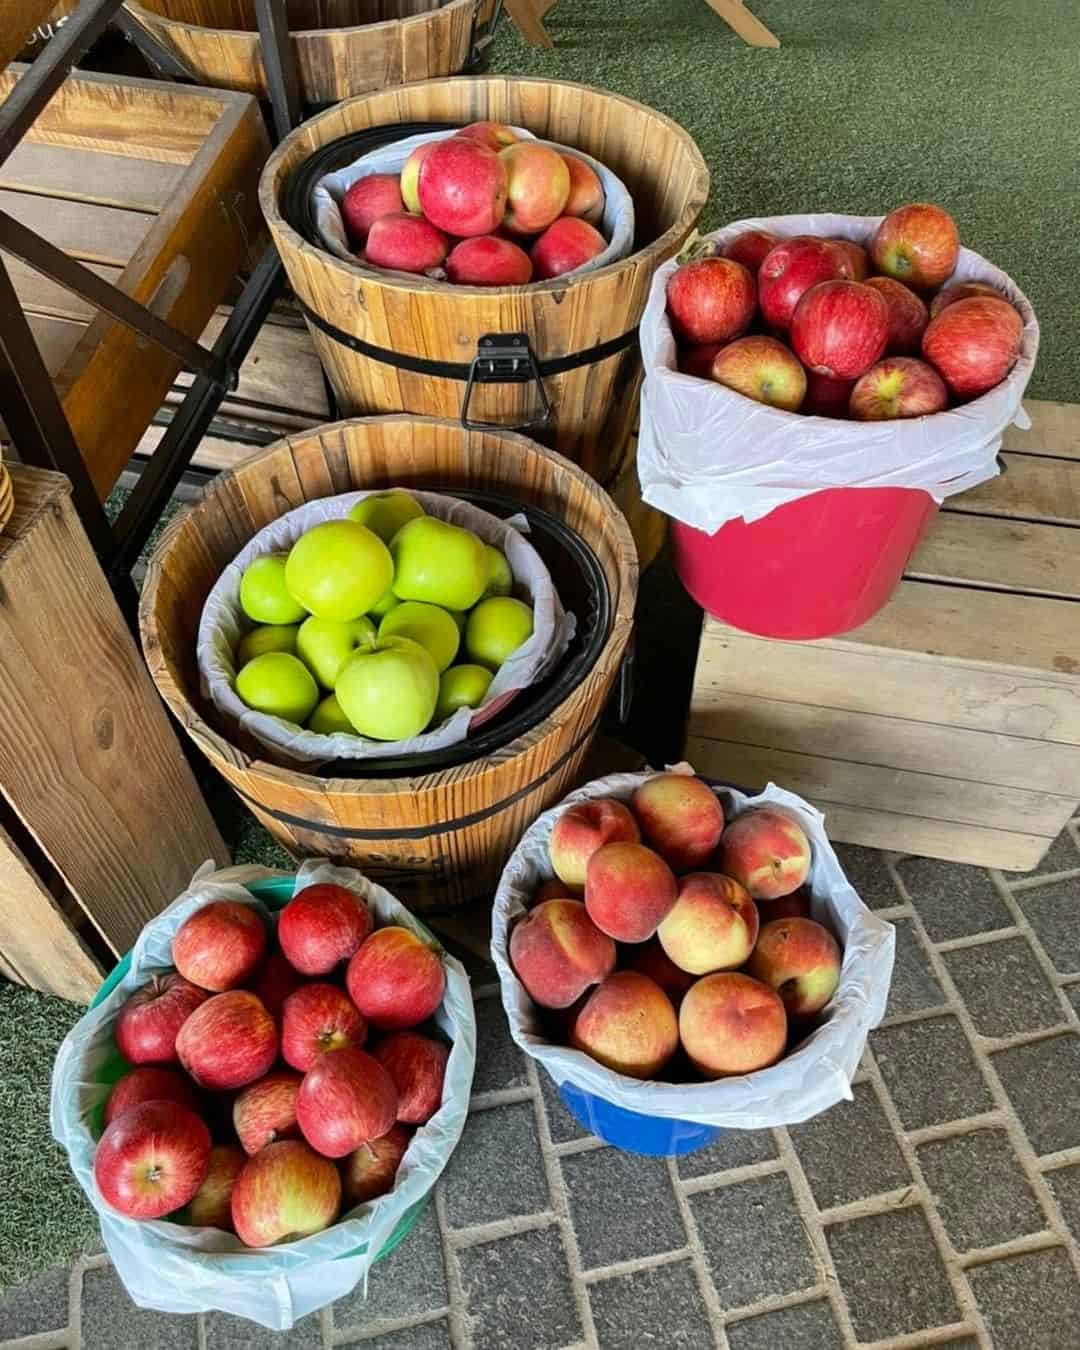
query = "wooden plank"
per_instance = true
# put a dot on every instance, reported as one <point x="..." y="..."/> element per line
<point x="1007" y="555"/>
<point x="214" y="452"/>
<point x="18" y="19"/>
<point x="108" y="180"/>
<point x="1055" y="430"/>
<point x="56" y="339"/>
<point x="102" y="234"/>
<point x="1033" y="487"/>
<point x="39" y="294"/>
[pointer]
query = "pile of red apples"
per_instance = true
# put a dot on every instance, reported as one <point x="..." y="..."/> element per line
<point x="274" y="1084"/>
<point x="483" y="207"/>
<point x="829" y="328"/>
<point x="674" y="945"/>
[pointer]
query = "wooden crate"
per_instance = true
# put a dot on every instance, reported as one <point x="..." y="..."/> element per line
<point x="949" y="725"/>
<point x="153" y="186"/>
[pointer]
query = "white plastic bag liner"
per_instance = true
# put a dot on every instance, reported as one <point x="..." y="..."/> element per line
<point x="180" y="1269"/>
<point x="617" y="225"/>
<point x="707" y="455"/>
<point x="816" y="1076"/>
<point x="223" y="622"/>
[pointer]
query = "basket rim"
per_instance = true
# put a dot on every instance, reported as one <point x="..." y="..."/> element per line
<point x="305" y="35"/>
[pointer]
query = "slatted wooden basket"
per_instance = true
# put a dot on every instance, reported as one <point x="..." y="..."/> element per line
<point x="438" y="838"/>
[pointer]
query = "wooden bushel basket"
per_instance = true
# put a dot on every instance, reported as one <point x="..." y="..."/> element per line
<point x="379" y="335"/>
<point x="438" y="838"/>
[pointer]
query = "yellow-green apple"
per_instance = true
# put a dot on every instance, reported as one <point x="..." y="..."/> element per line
<point x="280" y="685"/>
<point x="496" y="628"/>
<point x="840" y="328"/>
<point x="730" y="1023"/>
<point x="268" y="637"/>
<point x="220" y="945"/>
<point x="680" y="816"/>
<point x="264" y="595"/>
<point x="627" y="1024"/>
<point x="366" y="200"/>
<point x="908" y="315"/>
<point x="800" y="959"/>
<point x="148" y="1083"/>
<point x="750" y="248"/>
<point x="274" y="983"/>
<point x="285" y="1191"/>
<point x="582" y="829"/>
<point x="461" y="686"/>
<point x="265" y="1110"/>
<point x="495" y="135"/>
<point x="339" y="569"/>
<point x="317" y="1019"/>
<point x="557" y="952"/>
<point x="321" y="926"/>
<point x="712" y="926"/>
<point x="228" y="1041"/>
<point x="961" y="290"/>
<point x="793" y="906"/>
<point x="767" y="851"/>
<point x="566" y="244"/>
<point x="395" y="979"/>
<point x="899" y="386"/>
<point x="488" y="260"/>
<point x="974" y="343"/>
<point x="386" y="512"/>
<point x="629" y="889"/>
<point x="382" y="607"/>
<point x="211" y="1205"/>
<point x="152" y="1159"/>
<point x="429" y="625"/>
<point x="410" y="176"/>
<point x="405" y="243"/>
<point x="439" y="563"/>
<point x="150" y="1021"/>
<point x="710" y="300"/>
<point x="857" y="257"/>
<point x="328" y="718"/>
<point x="788" y="271"/>
<point x="826" y="397"/>
<point x="324" y="645"/>
<point x="918" y="244"/>
<point x="763" y="369"/>
<point x="586" y="197"/>
<point x="417" y="1064"/>
<point x="537" y="186"/>
<point x="369" y="1171"/>
<point x="500" y="579"/>
<point x="345" y="1099"/>
<point x="651" y="959"/>
<point x="389" y="691"/>
<point x="699" y="360"/>
<point x="462" y="187"/>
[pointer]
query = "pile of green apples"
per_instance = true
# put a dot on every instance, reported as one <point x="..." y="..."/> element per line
<point x="360" y="623"/>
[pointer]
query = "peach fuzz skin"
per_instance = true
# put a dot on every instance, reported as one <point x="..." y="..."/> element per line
<point x="651" y="959"/>
<point x="766" y="851"/>
<point x="800" y="959"/>
<point x="628" y="1024"/>
<point x="681" y="817"/>
<point x="713" y="925"/>
<point x="557" y="952"/>
<point x="629" y="889"/>
<point x="584" y="828"/>
<point x="730" y="1024"/>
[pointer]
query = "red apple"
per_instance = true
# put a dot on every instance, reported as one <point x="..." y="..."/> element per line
<point x="917" y="244"/>
<point x="405" y="243"/>
<point x="710" y="300"/>
<point x="148" y="1083"/>
<point x="628" y="1025"/>
<point x="410" y="177"/>
<point x="565" y="245"/>
<point x="899" y="386"/>
<point x="732" y="1024"/>
<point x="839" y="329"/>
<point x="582" y="829"/>
<point x="322" y="926"/>
<point x="316" y="1019"/>
<point x="557" y="952"/>
<point x="274" y="983"/>
<point x="285" y="1191"/>
<point x="417" y="1064"/>
<point x="908" y="315"/>
<point x="628" y="890"/>
<point x="379" y="194"/>
<point x="826" y="397"/>
<point x="713" y="925"/>
<point x="974" y="344"/>
<point x="345" y="1099"/>
<point x="488" y="261"/>
<point x="495" y="135"/>
<point x="586" y="197"/>
<point x="395" y="979"/>
<point x="961" y="290"/>
<point x="150" y="1020"/>
<point x="698" y="360"/>
<point x="228" y="1042"/>
<point x="371" y="1170"/>
<point x="801" y="960"/>
<point x="857" y="257"/>
<point x="462" y="187"/>
<point x="680" y="816"/>
<point x="220" y="946"/>
<point x="650" y="959"/>
<point x="537" y="186"/>
<point x="152" y="1159"/>
<point x="750" y="248"/>
<point x="266" y="1110"/>
<point x="211" y="1205"/>
<point x="763" y="369"/>
<point x="790" y="269"/>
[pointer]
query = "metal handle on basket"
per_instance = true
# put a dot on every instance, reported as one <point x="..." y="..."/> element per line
<point x="624" y="680"/>
<point x="480" y="39"/>
<point x="504" y="358"/>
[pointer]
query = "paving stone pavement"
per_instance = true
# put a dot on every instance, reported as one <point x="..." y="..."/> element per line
<point x="941" y="1207"/>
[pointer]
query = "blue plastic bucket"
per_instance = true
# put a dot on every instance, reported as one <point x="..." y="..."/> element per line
<point x="633" y="1132"/>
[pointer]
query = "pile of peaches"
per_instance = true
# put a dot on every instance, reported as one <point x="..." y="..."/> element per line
<point x="672" y="944"/>
<point x="481" y="208"/>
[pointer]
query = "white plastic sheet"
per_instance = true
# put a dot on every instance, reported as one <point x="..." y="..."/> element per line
<point x="707" y="455"/>
<point x="223" y="622"/>
<point x="815" y="1077"/>
<point x="180" y="1269"/>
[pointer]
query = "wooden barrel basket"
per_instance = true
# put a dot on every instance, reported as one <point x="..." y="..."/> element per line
<point x="391" y="342"/>
<point x="343" y="47"/>
<point x="438" y="837"/>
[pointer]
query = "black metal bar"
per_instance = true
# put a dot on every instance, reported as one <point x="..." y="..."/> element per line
<point x="279" y="62"/>
<point x="53" y="262"/>
<point x="164" y="61"/>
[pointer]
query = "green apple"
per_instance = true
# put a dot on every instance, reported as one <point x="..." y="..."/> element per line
<point x="432" y="627"/>
<point x="500" y="580"/>
<point x="269" y="637"/>
<point x="386" y="512"/>
<point x="382" y="607"/>
<point x="338" y="570"/>
<point x="279" y="684"/>
<point x="461" y="687"/>
<point x="328" y="718"/>
<point x="264" y="594"/>
<point x="459" y="616"/>
<point x="496" y="629"/>
<point x="439" y="563"/>
<point x="324" y="645"/>
<point x="388" y="691"/>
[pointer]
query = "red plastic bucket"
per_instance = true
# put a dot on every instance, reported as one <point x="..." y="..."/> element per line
<point x="813" y="568"/>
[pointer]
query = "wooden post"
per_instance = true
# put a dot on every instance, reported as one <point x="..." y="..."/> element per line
<point x="748" y="26"/>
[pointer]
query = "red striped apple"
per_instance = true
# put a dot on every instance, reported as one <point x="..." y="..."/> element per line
<point x="317" y="1019"/>
<point x="840" y="328"/>
<point x="495" y="135"/>
<point x="410" y="177"/>
<point x="148" y="1083"/>
<point x="285" y="1191"/>
<point x="322" y="926"/>
<point x="826" y="397"/>
<point x="627" y="1024"/>
<point x="750" y="248"/>
<point x="150" y="1021"/>
<point x="566" y="244"/>
<point x="790" y="269"/>
<point x="586" y="197"/>
<point x="857" y="257"/>
<point x="276" y="980"/>
<point x="345" y="1099"/>
<point x="379" y="194"/>
<point x="763" y="369"/>
<point x="152" y="1159"/>
<point x="698" y="360"/>
<point x="537" y="186"/>
<point x="800" y="959"/>
<point x="557" y="952"/>
<point x="582" y="829"/>
<point x="220" y="946"/>
<point x="899" y="386"/>
<point x="680" y="816"/>
<point x="405" y="243"/>
<point x="918" y="244"/>
<point x="417" y="1064"/>
<point x="710" y="300"/>
<point x="228" y="1042"/>
<point x="488" y="261"/>
<point x="211" y="1205"/>
<point x="462" y="187"/>
<point x="961" y="290"/>
<point x="371" y="1170"/>
<point x="395" y="979"/>
<point x="713" y="925"/>
<point x="974" y="344"/>
<point x="732" y="1024"/>
<point x="767" y="851"/>
<point x="908" y="315"/>
<point x="266" y="1110"/>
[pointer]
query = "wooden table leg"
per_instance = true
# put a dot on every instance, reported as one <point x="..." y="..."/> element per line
<point x="526" y="15"/>
<point x="747" y="25"/>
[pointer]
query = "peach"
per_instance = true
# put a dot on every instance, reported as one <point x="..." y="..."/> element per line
<point x="652" y="960"/>
<point x="628" y="1025"/>
<point x="629" y="889"/>
<point x="800" y="959"/>
<point x="462" y="187"/>
<point x="713" y="925"/>
<point x="567" y="244"/>
<point x="767" y="851"/>
<point x="554" y="889"/>
<point x="584" y="828"/>
<point x="379" y="194"/>
<point x="410" y="176"/>
<point x="732" y="1024"/>
<point x="793" y="906"/>
<point x="681" y="817"/>
<point x="557" y="952"/>
<point x="495" y="135"/>
<point x="586" y="197"/>
<point x="537" y="186"/>
<point x="405" y="243"/>
<point x="488" y="260"/>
